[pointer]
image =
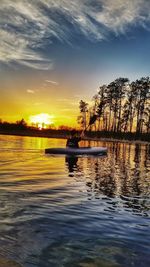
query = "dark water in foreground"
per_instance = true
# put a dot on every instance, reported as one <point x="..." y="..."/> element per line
<point x="86" y="211"/>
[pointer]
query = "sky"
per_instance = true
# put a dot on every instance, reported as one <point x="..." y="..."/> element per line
<point x="53" y="53"/>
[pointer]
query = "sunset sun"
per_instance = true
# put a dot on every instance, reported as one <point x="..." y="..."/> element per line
<point x="42" y="120"/>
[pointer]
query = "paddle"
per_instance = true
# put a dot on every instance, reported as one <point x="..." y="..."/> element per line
<point x="92" y="120"/>
<point x="94" y="117"/>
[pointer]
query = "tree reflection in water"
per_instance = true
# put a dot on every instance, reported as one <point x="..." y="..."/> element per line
<point x="123" y="175"/>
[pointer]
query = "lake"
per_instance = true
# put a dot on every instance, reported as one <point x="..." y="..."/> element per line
<point x="74" y="212"/>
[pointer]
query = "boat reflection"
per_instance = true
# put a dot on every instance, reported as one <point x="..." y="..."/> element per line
<point x="71" y="163"/>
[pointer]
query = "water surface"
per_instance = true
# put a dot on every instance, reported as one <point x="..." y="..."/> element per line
<point x="82" y="211"/>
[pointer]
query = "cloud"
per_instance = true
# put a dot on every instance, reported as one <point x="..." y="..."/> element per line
<point x="30" y="91"/>
<point x="28" y="27"/>
<point x="52" y="82"/>
<point x="117" y="16"/>
<point x="14" y="48"/>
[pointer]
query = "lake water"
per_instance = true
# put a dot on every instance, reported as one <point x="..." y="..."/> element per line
<point x="74" y="212"/>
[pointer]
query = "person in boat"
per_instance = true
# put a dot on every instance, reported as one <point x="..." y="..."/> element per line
<point x="74" y="139"/>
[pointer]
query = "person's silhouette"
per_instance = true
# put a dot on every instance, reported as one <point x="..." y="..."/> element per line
<point x="73" y="140"/>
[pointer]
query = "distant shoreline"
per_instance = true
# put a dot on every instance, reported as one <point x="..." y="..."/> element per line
<point x="37" y="133"/>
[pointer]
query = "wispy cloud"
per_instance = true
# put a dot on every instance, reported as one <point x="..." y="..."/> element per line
<point x="52" y="82"/>
<point x="30" y="91"/>
<point x="117" y="16"/>
<point x="27" y="27"/>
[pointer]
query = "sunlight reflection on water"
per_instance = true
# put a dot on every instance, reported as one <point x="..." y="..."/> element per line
<point x="74" y="211"/>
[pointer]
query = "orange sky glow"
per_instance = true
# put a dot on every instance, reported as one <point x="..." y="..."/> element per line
<point x="27" y="98"/>
<point x="55" y="53"/>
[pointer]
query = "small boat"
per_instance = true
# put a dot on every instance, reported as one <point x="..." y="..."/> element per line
<point x="77" y="151"/>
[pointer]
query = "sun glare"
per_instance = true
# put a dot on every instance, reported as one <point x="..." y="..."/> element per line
<point x="42" y="121"/>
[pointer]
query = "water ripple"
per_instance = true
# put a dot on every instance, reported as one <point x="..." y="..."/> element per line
<point x="74" y="211"/>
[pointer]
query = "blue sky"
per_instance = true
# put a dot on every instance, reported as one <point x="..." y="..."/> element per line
<point x="70" y="48"/>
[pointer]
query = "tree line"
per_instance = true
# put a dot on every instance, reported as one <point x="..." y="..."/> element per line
<point x="120" y="107"/>
<point x="18" y="125"/>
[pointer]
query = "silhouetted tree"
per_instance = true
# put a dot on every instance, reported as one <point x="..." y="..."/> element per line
<point x="120" y="107"/>
<point x="147" y="119"/>
<point x="21" y="124"/>
<point x="143" y="96"/>
<point x="82" y="119"/>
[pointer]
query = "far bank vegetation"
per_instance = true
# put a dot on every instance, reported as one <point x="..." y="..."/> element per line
<point x="122" y="109"/>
